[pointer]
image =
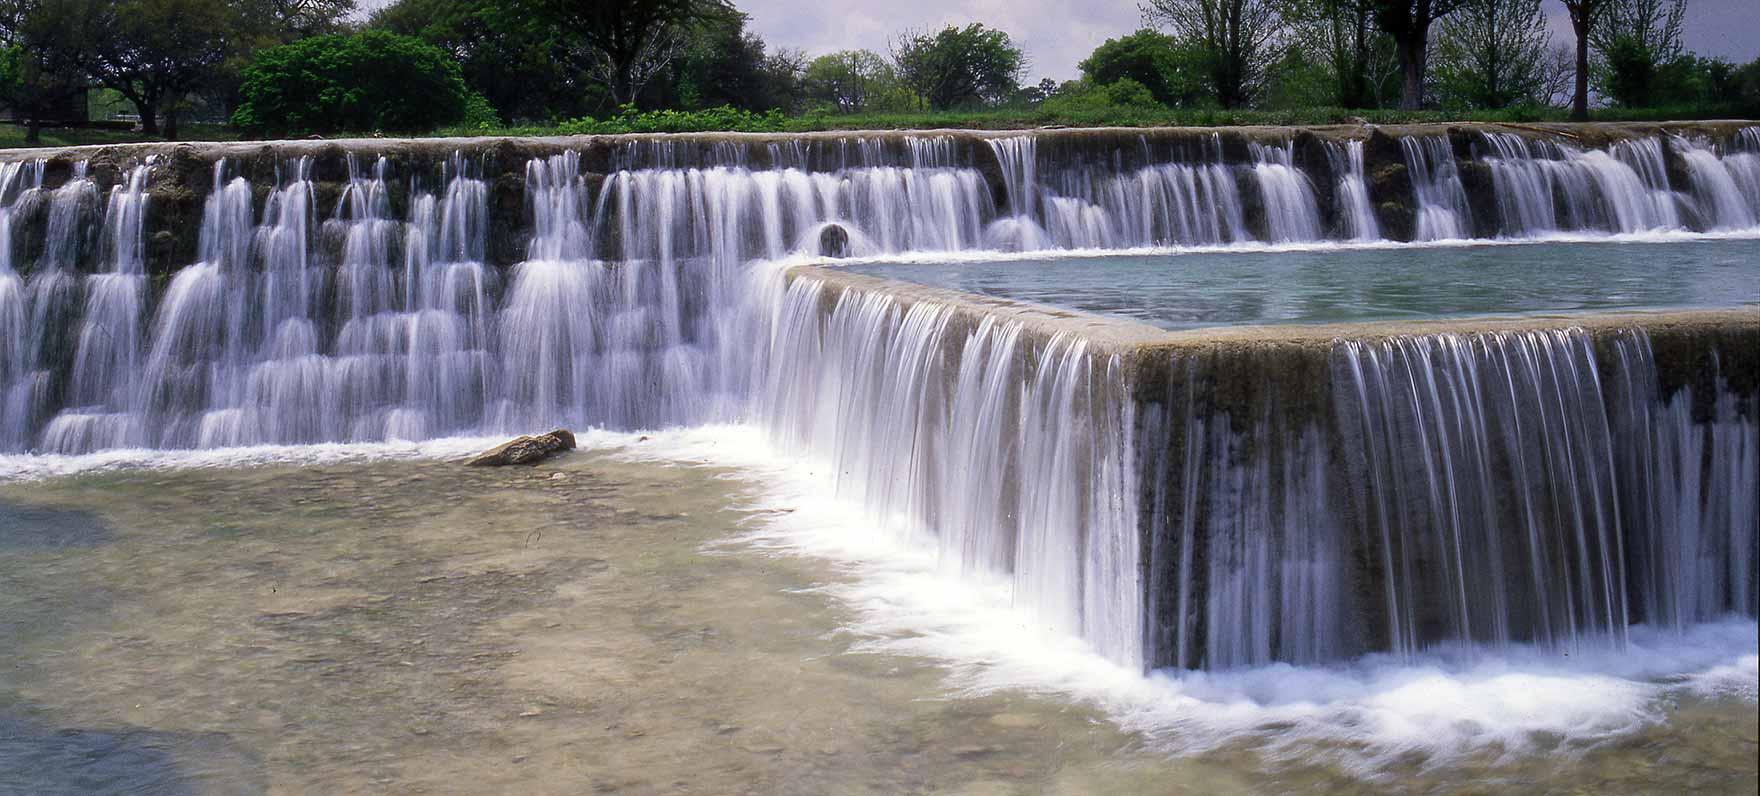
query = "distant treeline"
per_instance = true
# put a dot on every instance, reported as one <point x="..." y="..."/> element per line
<point x="296" y="67"/>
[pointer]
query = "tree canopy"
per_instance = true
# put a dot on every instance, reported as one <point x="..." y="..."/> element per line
<point x="368" y="81"/>
<point x="959" y="67"/>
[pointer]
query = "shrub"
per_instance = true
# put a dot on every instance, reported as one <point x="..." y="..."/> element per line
<point x="371" y="81"/>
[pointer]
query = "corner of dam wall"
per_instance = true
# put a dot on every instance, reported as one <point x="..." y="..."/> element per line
<point x="1313" y="493"/>
<point x="184" y="174"/>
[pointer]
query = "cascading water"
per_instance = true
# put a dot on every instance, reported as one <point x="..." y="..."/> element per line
<point x="1291" y="214"/>
<point x="1008" y="455"/>
<point x="1545" y="187"/>
<point x="1445" y="489"/>
<point x="107" y="359"/>
<point x="1356" y="213"/>
<point x="1442" y="211"/>
<point x="1726" y="189"/>
<point x="49" y="309"/>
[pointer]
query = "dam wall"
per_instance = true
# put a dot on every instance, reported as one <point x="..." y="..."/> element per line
<point x="963" y="190"/>
<point x="1209" y="499"/>
<point x="1297" y="494"/>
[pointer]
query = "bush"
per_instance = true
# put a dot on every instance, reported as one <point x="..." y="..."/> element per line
<point x="722" y="119"/>
<point x="371" y="81"/>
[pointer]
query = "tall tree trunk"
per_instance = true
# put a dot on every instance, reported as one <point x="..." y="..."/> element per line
<point x="149" y="112"/>
<point x="1412" y="47"/>
<point x="1580" y="99"/>
<point x="171" y="121"/>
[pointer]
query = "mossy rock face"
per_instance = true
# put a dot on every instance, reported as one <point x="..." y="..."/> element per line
<point x="1312" y="159"/>
<point x="1481" y="192"/>
<point x="1398" y="220"/>
<point x="1252" y="202"/>
<point x="508" y="223"/>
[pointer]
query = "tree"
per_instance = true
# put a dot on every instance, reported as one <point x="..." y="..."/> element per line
<point x="1582" y="14"/>
<point x="289" y="20"/>
<point x="622" y="44"/>
<point x="45" y="47"/>
<point x="1408" y="22"/>
<point x="1493" y="54"/>
<point x="1235" y="40"/>
<point x="369" y="81"/>
<point x="959" y="66"/>
<point x="1636" y="40"/>
<point x="1152" y="59"/>
<point x="853" y="81"/>
<point x="155" y="53"/>
<point x="1342" y="35"/>
<point x="720" y="63"/>
<point x="518" y="69"/>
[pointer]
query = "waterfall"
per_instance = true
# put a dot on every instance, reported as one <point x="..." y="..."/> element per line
<point x="1726" y="189"/>
<point x="1442" y="211"/>
<point x="1356" y="212"/>
<point x="46" y="307"/>
<point x="1544" y="187"/>
<point x="102" y="394"/>
<point x="1287" y="197"/>
<point x="1008" y="455"/>
<point x="1454" y="440"/>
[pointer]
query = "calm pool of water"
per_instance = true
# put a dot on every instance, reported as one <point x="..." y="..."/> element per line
<point x="1213" y="288"/>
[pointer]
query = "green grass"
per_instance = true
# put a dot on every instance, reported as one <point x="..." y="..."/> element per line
<point x="12" y="135"/>
<point x="731" y="120"/>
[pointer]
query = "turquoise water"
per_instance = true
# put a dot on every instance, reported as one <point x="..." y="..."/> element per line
<point x="1228" y="288"/>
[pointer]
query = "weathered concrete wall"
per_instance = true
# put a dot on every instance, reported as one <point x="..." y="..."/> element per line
<point x="185" y="175"/>
<point x="1262" y="388"/>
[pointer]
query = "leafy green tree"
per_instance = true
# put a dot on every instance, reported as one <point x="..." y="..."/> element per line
<point x="622" y="44"/>
<point x="1154" y="60"/>
<point x="1636" y="40"/>
<point x="721" y="63"/>
<point x="959" y="67"/>
<point x="45" y="48"/>
<point x="1493" y="54"/>
<point x="852" y="81"/>
<point x="1340" y="36"/>
<point x="1409" y="22"/>
<point x="1088" y="98"/>
<point x="368" y="81"/>
<point x="1234" y="39"/>
<point x="1582" y="14"/>
<point x="156" y="53"/>
<point x="518" y="69"/>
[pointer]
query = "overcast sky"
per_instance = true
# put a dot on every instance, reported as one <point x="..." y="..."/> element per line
<point x="1057" y="34"/>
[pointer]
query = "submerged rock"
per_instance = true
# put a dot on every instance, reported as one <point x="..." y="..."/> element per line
<point x="525" y="450"/>
<point x="834" y="241"/>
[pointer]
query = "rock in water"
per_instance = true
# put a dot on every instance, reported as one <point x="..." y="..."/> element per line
<point x="834" y="241"/>
<point x="525" y="450"/>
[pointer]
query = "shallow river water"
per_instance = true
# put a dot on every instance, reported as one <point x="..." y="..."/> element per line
<point x="614" y="622"/>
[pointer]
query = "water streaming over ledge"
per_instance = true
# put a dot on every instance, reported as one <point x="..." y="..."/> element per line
<point x="1545" y="487"/>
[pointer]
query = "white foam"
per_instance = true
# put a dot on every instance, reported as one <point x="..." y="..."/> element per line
<point x="31" y="467"/>
<point x="1447" y="703"/>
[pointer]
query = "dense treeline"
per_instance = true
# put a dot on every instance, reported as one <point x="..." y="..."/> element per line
<point x="295" y="67"/>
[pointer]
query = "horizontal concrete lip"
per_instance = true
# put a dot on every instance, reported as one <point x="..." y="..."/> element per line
<point x="1121" y="335"/>
<point x="551" y="144"/>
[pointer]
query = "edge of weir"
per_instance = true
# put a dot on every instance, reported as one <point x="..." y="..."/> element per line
<point x="543" y="145"/>
<point x="1122" y="335"/>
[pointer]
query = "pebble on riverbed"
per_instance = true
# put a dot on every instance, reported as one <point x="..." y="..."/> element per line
<point x="525" y="450"/>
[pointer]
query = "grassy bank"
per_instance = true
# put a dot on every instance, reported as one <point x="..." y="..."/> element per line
<point x="12" y="135"/>
<point x="732" y="120"/>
